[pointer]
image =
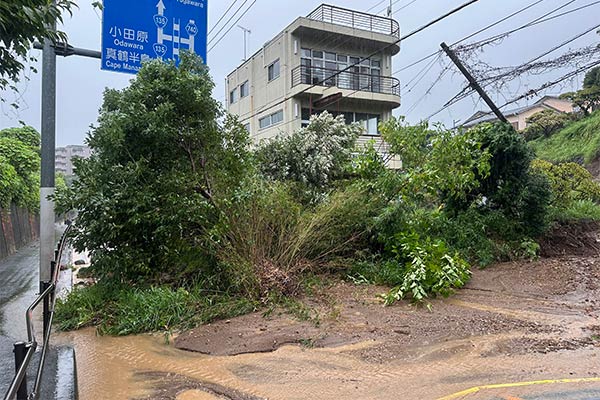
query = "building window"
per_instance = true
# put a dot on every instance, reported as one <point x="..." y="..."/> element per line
<point x="369" y="122"/>
<point x="244" y="90"/>
<point x="247" y="127"/>
<point x="270" y="120"/>
<point x="324" y="68"/>
<point x="273" y="71"/>
<point x="233" y="96"/>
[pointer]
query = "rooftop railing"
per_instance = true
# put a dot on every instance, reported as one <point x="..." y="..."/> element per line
<point x="345" y="80"/>
<point x="355" y="19"/>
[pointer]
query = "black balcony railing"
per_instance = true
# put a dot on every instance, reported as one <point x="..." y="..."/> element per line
<point x="355" y="19"/>
<point x="351" y="80"/>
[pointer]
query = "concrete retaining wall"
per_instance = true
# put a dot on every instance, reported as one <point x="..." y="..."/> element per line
<point x="18" y="228"/>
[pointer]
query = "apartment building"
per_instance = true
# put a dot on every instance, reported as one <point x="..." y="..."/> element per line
<point x="64" y="157"/>
<point x="297" y="74"/>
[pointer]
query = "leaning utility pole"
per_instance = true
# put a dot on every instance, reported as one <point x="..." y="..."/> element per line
<point x="473" y="83"/>
<point x="47" y="163"/>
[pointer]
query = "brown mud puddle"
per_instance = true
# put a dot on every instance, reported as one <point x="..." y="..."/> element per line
<point x="514" y="322"/>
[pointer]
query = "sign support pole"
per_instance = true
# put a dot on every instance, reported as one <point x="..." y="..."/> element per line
<point x="47" y="183"/>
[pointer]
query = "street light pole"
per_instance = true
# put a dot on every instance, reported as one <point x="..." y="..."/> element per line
<point x="47" y="183"/>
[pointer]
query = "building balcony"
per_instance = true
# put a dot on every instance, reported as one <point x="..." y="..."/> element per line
<point x="366" y="31"/>
<point x="358" y="85"/>
<point x="356" y="20"/>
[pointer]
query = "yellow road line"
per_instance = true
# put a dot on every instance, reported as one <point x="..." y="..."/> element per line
<point x="516" y="384"/>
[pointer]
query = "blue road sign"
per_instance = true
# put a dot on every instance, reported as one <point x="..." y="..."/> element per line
<point x="134" y="31"/>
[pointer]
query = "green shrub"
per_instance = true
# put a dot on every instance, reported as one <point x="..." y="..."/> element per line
<point x="428" y="268"/>
<point x="570" y="182"/>
<point x="545" y="123"/>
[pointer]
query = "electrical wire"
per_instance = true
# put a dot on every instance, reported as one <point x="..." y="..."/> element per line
<point x="231" y="27"/>
<point x="222" y="16"/>
<point x="227" y="23"/>
<point x="471" y="35"/>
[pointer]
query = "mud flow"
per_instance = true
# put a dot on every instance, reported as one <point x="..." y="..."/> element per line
<point x="517" y="331"/>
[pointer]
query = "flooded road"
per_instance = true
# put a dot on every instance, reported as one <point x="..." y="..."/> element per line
<point x="18" y="277"/>
<point x="144" y="367"/>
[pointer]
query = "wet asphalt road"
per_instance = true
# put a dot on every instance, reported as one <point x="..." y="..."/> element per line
<point x="19" y="286"/>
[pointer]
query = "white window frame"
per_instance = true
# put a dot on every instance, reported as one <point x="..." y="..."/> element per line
<point x="269" y="119"/>
<point x="247" y="92"/>
<point x="272" y="65"/>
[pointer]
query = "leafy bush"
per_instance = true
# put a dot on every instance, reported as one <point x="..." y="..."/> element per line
<point x="511" y="186"/>
<point x="545" y="123"/>
<point x="313" y="157"/>
<point x="19" y="167"/>
<point x="570" y="182"/>
<point x="428" y="267"/>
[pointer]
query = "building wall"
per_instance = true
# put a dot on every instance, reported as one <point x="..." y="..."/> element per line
<point x="65" y="155"/>
<point x="286" y="47"/>
<point x="18" y="228"/>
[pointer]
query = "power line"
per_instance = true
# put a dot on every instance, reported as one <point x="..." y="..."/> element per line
<point x="376" y="5"/>
<point x="471" y="35"/>
<point x="231" y="27"/>
<point x="524" y="67"/>
<point x="222" y="16"/>
<point x="429" y="24"/>
<point x="228" y="21"/>
<point x="539" y="20"/>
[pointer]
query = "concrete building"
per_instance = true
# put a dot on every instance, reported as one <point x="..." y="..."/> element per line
<point x="272" y="92"/>
<point x="518" y="117"/>
<point x="64" y="157"/>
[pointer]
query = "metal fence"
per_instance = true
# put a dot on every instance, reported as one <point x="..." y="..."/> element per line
<point x="24" y="350"/>
<point x="355" y="19"/>
<point x="345" y="80"/>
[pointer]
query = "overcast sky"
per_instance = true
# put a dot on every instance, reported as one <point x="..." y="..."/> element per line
<point x="80" y="82"/>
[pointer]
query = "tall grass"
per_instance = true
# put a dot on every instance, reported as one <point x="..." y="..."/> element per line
<point x="579" y="141"/>
<point x="125" y="310"/>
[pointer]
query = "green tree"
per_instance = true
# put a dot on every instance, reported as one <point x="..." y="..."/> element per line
<point x="512" y="187"/>
<point x="313" y="157"/>
<point x="162" y="169"/>
<point x="21" y="23"/>
<point x="19" y="154"/>
<point x="592" y="78"/>
<point x="588" y="98"/>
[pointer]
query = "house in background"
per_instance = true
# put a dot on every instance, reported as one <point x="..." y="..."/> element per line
<point x="518" y="117"/>
<point x="297" y="74"/>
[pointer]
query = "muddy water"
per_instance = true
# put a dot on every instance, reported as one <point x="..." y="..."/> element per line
<point x="119" y="368"/>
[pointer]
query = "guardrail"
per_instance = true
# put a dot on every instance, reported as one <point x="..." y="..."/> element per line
<point x="355" y="19"/>
<point x="24" y="350"/>
<point x="345" y="80"/>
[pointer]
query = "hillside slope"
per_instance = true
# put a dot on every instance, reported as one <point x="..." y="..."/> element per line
<point x="579" y="142"/>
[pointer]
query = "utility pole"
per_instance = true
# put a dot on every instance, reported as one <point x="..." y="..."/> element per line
<point x="246" y="32"/>
<point x="47" y="238"/>
<point x="389" y="10"/>
<point x="473" y="83"/>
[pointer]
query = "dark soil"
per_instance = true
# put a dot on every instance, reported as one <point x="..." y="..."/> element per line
<point x="579" y="239"/>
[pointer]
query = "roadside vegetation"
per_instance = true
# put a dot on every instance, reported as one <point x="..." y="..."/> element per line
<point x="186" y="223"/>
